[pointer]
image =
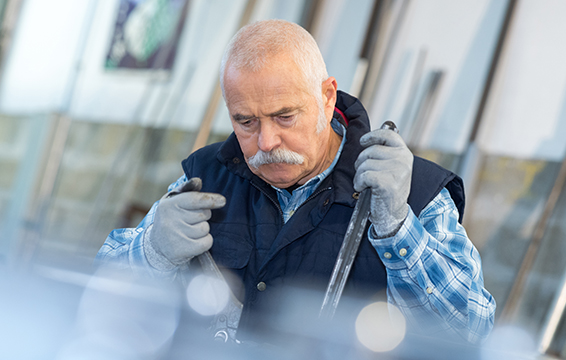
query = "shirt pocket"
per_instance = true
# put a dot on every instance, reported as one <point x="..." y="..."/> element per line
<point x="231" y="251"/>
<point x="232" y="254"/>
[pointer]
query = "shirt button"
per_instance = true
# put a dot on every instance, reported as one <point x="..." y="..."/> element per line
<point x="356" y="195"/>
<point x="326" y="202"/>
<point x="236" y="160"/>
<point x="403" y="252"/>
<point x="429" y="290"/>
<point x="387" y="255"/>
<point x="261" y="286"/>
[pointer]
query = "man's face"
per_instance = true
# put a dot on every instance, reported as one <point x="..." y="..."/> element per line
<point x="274" y="112"/>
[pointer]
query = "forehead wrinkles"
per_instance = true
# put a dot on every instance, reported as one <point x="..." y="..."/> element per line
<point x="275" y="69"/>
<point x="263" y="95"/>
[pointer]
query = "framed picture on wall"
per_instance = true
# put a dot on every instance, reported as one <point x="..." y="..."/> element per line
<point x="146" y="34"/>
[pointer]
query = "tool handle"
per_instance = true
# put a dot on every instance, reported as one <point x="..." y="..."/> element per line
<point x="225" y="323"/>
<point x="346" y="256"/>
<point x="349" y="248"/>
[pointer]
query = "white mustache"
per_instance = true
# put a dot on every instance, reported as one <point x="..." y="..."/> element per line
<point x="275" y="156"/>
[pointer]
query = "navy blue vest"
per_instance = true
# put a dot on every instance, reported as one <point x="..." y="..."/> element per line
<point x="253" y="245"/>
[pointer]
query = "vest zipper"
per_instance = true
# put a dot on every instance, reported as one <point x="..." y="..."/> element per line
<point x="276" y="203"/>
<point x="316" y="193"/>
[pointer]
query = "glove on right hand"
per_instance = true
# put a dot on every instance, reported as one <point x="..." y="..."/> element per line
<point x="180" y="228"/>
<point x="385" y="166"/>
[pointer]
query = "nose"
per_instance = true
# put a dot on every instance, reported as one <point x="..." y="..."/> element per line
<point x="269" y="136"/>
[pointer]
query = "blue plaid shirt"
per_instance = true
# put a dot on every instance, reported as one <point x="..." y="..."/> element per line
<point x="290" y="202"/>
<point x="433" y="270"/>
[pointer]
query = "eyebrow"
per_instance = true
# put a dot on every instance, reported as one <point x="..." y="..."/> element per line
<point x="240" y="117"/>
<point x="285" y="110"/>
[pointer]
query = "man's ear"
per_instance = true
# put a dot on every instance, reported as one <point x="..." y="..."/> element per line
<point x="329" y="93"/>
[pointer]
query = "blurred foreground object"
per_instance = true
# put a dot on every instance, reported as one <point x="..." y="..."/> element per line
<point x="70" y="314"/>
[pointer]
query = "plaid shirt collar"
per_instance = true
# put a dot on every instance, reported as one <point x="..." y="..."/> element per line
<point x="290" y="202"/>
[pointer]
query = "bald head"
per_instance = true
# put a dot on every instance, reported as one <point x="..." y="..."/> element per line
<point x="263" y="42"/>
<point x="280" y="100"/>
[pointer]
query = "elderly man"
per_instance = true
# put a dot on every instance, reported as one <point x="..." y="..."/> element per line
<point x="278" y="194"/>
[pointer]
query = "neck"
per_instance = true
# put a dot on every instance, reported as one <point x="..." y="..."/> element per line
<point x="333" y="145"/>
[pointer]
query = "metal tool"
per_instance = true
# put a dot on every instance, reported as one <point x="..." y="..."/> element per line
<point x="225" y="323"/>
<point x="349" y="249"/>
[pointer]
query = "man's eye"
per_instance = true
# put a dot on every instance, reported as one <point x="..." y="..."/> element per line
<point x="247" y="123"/>
<point x="286" y="118"/>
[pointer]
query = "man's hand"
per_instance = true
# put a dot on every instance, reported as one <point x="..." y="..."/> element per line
<point x="385" y="166"/>
<point x="180" y="228"/>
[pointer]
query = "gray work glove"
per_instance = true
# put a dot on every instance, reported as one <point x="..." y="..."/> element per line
<point x="180" y="228"/>
<point x="385" y="166"/>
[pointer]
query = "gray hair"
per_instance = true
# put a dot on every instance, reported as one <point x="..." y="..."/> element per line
<point x="255" y="44"/>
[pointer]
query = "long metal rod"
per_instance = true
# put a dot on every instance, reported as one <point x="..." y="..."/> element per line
<point x="528" y="260"/>
<point x="411" y="105"/>
<point x="423" y="106"/>
<point x="472" y="159"/>
<point x="370" y="42"/>
<point x="346" y="256"/>
<point x="349" y="248"/>
<point x="494" y="66"/>
<point x="553" y="320"/>
<point x="392" y="17"/>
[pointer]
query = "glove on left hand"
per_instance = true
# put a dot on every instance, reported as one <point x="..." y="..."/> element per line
<point x="180" y="228"/>
<point x="385" y="166"/>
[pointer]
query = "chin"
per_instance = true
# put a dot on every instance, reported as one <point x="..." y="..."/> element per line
<point x="278" y="182"/>
<point x="278" y="175"/>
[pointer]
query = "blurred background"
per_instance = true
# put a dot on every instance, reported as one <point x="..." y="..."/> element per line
<point x="100" y="100"/>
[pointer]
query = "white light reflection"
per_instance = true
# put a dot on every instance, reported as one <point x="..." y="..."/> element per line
<point x="207" y="295"/>
<point x="120" y="317"/>
<point x="509" y="342"/>
<point x="380" y="327"/>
